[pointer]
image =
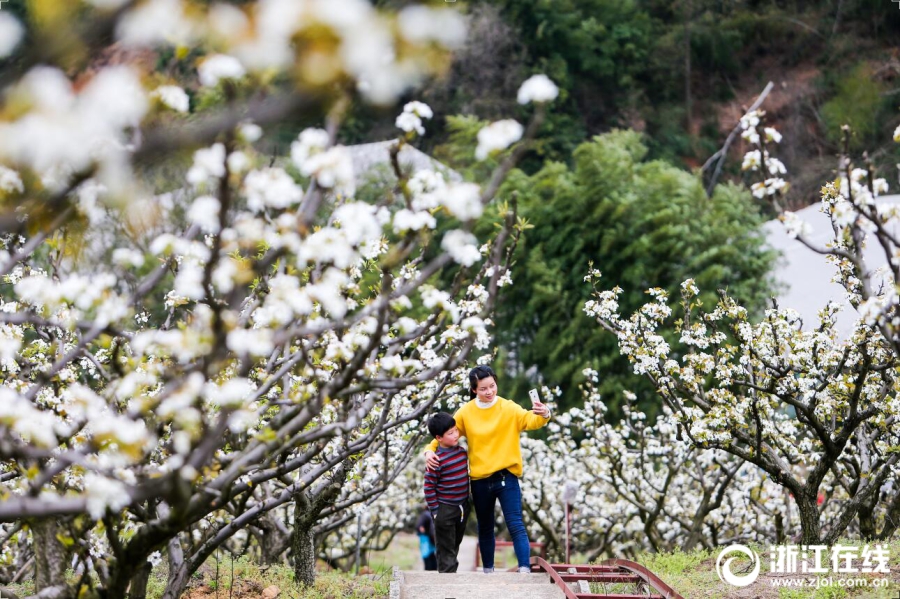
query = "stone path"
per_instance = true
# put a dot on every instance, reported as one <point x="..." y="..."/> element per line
<point x="466" y="555"/>
<point x="472" y="585"/>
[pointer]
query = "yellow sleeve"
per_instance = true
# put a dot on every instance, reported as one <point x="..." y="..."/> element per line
<point x="528" y="420"/>
<point x="459" y="425"/>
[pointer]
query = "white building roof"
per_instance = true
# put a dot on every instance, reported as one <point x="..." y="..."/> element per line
<point x="367" y="157"/>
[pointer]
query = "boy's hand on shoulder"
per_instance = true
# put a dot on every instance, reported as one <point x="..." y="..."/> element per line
<point x="432" y="461"/>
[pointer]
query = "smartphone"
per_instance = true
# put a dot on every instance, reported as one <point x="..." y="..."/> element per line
<point x="533" y="394"/>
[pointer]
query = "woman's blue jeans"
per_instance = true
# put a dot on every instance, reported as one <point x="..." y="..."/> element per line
<point x="485" y="492"/>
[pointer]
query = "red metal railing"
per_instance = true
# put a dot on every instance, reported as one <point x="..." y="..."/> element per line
<point x="612" y="571"/>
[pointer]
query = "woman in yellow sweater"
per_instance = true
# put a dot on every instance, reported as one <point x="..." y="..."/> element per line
<point x="492" y="426"/>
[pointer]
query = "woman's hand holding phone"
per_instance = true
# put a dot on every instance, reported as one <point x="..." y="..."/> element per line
<point x="537" y="406"/>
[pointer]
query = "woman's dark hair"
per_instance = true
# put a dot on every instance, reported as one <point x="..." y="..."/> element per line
<point x="440" y="423"/>
<point x="476" y="374"/>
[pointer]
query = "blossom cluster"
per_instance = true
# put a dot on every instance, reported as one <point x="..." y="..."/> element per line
<point x="761" y="160"/>
<point x="179" y="363"/>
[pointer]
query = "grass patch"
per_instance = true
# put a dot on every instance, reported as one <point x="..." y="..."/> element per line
<point x="402" y="552"/>
<point x="693" y="575"/>
<point x="249" y="580"/>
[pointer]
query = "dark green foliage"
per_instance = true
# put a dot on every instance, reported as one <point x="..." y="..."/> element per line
<point x="643" y="224"/>
<point x="858" y="103"/>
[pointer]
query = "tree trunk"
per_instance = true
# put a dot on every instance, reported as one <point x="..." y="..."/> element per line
<point x="273" y="538"/>
<point x="868" y="530"/>
<point x="303" y="549"/>
<point x="892" y="518"/>
<point x="49" y="555"/>
<point x="308" y="505"/>
<point x="178" y="571"/>
<point x="700" y="515"/>
<point x="810" y="533"/>
<point x="779" y="529"/>
<point x="837" y="17"/>
<point x="137" y="589"/>
<point x="688" y="108"/>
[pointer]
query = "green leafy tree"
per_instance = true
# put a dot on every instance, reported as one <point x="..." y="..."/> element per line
<point x="643" y="224"/>
<point x="859" y="103"/>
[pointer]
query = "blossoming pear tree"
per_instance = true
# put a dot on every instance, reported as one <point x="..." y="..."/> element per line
<point x="253" y="344"/>
<point x="814" y="412"/>
<point x="639" y="486"/>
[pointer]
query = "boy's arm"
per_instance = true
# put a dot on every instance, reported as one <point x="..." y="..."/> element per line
<point x="432" y="447"/>
<point x="431" y="482"/>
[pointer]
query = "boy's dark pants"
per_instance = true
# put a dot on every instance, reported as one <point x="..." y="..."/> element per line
<point x="449" y="527"/>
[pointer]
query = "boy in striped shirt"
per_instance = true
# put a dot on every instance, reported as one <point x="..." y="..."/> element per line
<point x="447" y="491"/>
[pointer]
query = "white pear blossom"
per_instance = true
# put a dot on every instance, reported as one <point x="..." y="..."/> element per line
<point x="238" y="162"/>
<point x="209" y="163"/>
<point x="230" y="394"/>
<point x="271" y="188"/>
<point x="115" y="96"/>
<point x="332" y="169"/>
<point x="462" y="247"/>
<point x="751" y="120"/>
<point x="426" y="24"/>
<point x="775" y="166"/>
<point x="420" y="109"/>
<point x="11" y="32"/>
<point x="157" y="22"/>
<point x="768" y="187"/>
<point x="752" y="160"/>
<point x="127" y="257"/>
<point x="219" y="66"/>
<point x="10" y="181"/>
<point x="407" y="220"/>
<point x="751" y="136"/>
<point x="410" y="122"/>
<point x="795" y="226"/>
<point x="204" y="212"/>
<point x="172" y="96"/>
<point x="228" y="22"/>
<point x="256" y="342"/>
<point x="843" y="213"/>
<point x="463" y="200"/>
<point x="310" y="142"/>
<point x="250" y="132"/>
<point x="497" y="136"/>
<point x="411" y="118"/>
<point x="537" y="88"/>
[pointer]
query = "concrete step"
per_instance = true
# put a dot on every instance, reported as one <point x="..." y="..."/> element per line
<point x="472" y="591"/>
<point x="497" y="578"/>
<point x="474" y="585"/>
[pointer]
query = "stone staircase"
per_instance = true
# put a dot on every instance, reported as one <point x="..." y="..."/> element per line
<point x="472" y="585"/>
